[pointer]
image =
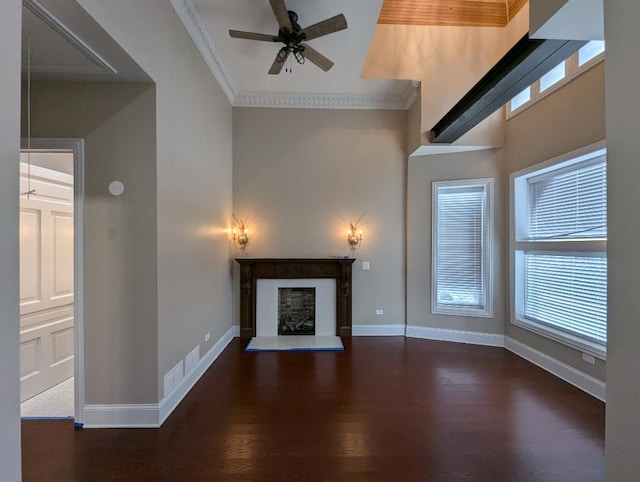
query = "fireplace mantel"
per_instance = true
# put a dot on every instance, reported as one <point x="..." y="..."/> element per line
<point x="291" y="268"/>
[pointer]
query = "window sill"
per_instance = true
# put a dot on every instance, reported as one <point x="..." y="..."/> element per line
<point x="452" y="311"/>
<point x="577" y="343"/>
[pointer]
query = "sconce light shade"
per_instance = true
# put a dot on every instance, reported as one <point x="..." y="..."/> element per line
<point x="354" y="237"/>
<point x="240" y="236"/>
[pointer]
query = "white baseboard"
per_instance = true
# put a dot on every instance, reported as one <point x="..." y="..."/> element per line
<point x="377" y="330"/>
<point x="575" y="377"/>
<point x="121" y="416"/>
<point x="586" y="383"/>
<point x="169" y="403"/>
<point x="154" y="414"/>
<point x="458" y="336"/>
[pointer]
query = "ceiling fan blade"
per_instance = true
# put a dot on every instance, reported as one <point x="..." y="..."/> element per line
<point x="282" y="15"/>
<point x="316" y="57"/>
<point x="276" y="67"/>
<point x="254" y="36"/>
<point x="330" y="25"/>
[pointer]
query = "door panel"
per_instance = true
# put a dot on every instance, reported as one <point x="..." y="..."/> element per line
<point x="46" y="280"/>
<point x="29" y="362"/>
<point x="46" y="350"/>
<point x="62" y="262"/>
<point x="30" y="257"/>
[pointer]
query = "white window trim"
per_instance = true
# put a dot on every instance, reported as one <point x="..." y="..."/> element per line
<point x="518" y="244"/>
<point x="572" y="71"/>
<point x="487" y="255"/>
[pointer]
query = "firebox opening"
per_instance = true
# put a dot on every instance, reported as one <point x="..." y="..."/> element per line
<point x="297" y="311"/>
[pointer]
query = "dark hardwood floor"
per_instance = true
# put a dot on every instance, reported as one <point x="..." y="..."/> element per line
<point x="385" y="409"/>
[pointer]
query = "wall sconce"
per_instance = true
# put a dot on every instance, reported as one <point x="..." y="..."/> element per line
<point x="354" y="237"/>
<point x="240" y="236"/>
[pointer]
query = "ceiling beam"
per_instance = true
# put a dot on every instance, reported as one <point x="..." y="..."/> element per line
<point x="525" y="63"/>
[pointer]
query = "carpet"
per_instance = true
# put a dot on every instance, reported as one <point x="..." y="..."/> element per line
<point x="57" y="402"/>
<point x="295" y="343"/>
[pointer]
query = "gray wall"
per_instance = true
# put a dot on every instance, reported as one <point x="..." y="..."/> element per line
<point x="414" y="125"/>
<point x="423" y="171"/>
<point x="10" y="21"/>
<point x="568" y="119"/>
<point x="300" y="176"/>
<point x="623" y="361"/>
<point x="117" y="121"/>
<point x="194" y="169"/>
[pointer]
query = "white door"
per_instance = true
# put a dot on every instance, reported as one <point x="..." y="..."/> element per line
<point x="46" y="280"/>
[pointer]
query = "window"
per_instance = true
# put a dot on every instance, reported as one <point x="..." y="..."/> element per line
<point x="521" y="99"/>
<point x="552" y="77"/>
<point x="588" y="56"/>
<point x="559" y="250"/>
<point x="590" y="51"/>
<point x="462" y="227"/>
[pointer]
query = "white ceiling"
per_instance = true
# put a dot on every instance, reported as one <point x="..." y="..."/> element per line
<point x="245" y="63"/>
<point x="68" y="44"/>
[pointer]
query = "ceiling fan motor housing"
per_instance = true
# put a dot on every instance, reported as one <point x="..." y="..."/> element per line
<point x="292" y="38"/>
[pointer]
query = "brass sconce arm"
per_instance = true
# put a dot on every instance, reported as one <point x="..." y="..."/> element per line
<point x="354" y="237"/>
<point x="240" y="237"/>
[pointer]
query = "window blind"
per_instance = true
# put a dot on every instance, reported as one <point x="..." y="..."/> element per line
<point x="459" y="246"/>
<point x="569" y="205"/>
<point x="568" y="292"/>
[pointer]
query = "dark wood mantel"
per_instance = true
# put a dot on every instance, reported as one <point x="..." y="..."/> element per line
<point x="290" y="268"/>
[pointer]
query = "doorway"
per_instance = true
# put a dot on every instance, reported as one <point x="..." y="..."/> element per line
<point x="51" y="323"/>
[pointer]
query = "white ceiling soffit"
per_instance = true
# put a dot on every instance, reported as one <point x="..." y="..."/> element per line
<point x="240" y="66"/>
<point x="567" y="19"/>
<point x="435" y="149"/>
<point x="66" y="43"/>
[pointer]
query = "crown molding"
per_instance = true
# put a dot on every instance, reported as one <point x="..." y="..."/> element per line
<point x="197" y="29"/>
<point x="198" y="32"/>
<point x="293" y="100"/>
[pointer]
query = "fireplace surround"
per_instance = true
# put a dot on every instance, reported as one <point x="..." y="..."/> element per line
<point x="252" y="269"/>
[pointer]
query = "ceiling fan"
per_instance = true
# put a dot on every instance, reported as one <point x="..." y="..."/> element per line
<point x="293" y="37"/>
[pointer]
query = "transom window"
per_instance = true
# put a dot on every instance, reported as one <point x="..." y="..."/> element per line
<point x="589" y="55"/>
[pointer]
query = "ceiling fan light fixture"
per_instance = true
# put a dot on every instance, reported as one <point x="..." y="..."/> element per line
<point x="299" y="57"/>
<point x="282" y="54"/>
